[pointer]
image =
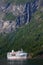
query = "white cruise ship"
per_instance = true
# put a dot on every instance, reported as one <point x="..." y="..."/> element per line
<point x="16" y="55"/>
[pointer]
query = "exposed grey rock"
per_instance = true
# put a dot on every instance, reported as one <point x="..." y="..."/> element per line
<point x="22" y="12"/>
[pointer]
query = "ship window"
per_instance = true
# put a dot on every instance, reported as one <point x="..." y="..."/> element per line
<point x="22" y="55"/>
<point x="13" y="54"/>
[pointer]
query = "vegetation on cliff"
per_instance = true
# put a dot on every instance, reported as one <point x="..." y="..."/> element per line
<point x="19" y="1"/>
<point x="29" y="37"/>
<point x="9" y="16"/>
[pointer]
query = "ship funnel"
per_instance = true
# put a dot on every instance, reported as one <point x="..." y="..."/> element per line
<point x="12" y="51"/>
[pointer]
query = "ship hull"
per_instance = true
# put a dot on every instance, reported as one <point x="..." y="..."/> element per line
<point x="16" y="58"/>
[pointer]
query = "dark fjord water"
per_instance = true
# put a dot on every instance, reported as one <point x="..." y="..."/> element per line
<point x="21" y="62"/>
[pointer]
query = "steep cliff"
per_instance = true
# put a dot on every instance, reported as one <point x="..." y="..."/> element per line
<point x="29" y="37"/>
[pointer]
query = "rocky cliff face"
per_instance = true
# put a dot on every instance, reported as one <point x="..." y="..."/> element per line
<point x="21" y="12"/>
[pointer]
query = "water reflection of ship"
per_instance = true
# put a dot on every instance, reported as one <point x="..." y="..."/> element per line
<point x="17" y="62"/>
